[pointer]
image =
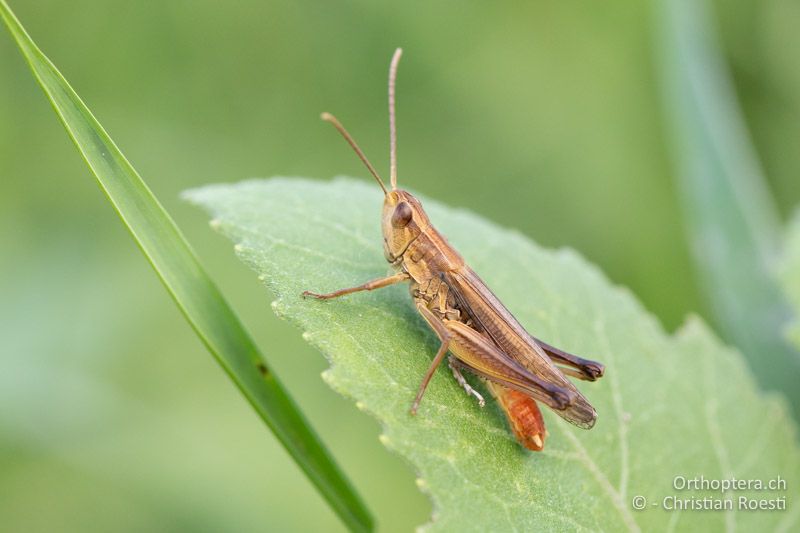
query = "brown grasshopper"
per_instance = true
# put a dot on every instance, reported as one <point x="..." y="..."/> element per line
<point x="472" y="324"/>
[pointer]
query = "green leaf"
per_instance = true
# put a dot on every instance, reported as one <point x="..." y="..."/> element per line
<point x="193" y="291"/>
<point x="732" y="222"/>
<point x="668" y="406"/>
<point x="791" y="274"/>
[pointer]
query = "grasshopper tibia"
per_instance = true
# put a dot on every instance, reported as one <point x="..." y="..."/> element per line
<point x="578" y="367"/>
<point x="441" y="331"/>
<point x="463" y="382"/>
<point x="368" y="286"/>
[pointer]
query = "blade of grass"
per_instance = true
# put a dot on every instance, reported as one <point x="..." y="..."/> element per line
<point x="195" y="294"/>
<point x="732" y="220"/>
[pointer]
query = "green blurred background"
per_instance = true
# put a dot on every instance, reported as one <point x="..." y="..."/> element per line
<point x="543" y="116"/>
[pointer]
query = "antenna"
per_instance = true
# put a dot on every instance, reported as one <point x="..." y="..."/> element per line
<point x="392" y="121"/>
<point x="327" y="117"/>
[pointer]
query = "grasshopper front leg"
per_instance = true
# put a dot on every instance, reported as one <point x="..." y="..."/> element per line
<point x="368" y="286"/>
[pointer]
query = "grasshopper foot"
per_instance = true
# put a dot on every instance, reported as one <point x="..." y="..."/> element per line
<point x="314" y="295"/>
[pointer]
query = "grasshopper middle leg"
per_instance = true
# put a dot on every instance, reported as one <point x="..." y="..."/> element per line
<point x="441" y="331"/>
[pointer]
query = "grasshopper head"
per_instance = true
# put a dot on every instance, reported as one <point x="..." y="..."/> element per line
<point x="403" y="217"/>
<point x="403" y="220"/>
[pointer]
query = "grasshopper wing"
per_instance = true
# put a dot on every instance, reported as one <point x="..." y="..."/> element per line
<point x="495" y="322"/>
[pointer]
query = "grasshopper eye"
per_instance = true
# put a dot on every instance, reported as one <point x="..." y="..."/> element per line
<point x="402" y="215"/>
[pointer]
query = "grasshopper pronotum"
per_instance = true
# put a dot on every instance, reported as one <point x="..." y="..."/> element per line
<point x="472" y="324"/>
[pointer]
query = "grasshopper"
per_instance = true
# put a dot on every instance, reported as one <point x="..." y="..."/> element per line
<point x="472" y="324"/>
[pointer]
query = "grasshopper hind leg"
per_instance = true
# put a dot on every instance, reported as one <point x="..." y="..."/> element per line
<point x="451" y="362"/>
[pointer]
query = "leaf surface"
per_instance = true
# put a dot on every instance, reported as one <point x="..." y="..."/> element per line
<point x="668" y="406"/>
